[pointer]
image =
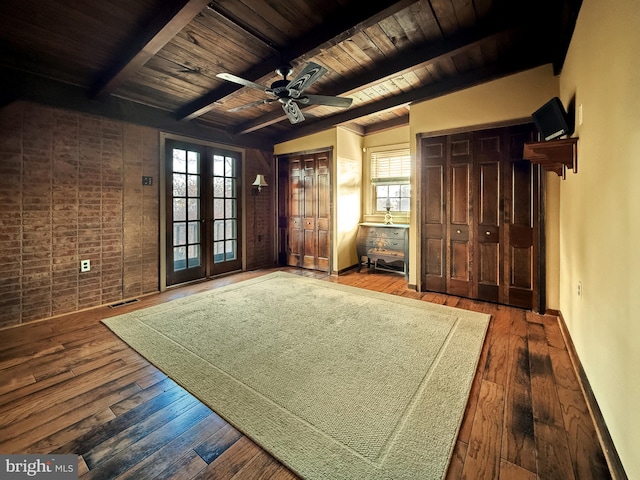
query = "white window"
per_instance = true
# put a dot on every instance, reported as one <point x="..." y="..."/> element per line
<point x="390" y="180"/>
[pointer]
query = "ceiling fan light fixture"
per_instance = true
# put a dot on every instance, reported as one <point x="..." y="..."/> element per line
<point x="289" y="92"/>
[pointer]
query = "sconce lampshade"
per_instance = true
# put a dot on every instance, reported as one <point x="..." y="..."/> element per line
<point x="260" y="182"/>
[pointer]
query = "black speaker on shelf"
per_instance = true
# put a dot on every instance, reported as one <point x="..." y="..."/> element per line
<point x="552" y="120"/>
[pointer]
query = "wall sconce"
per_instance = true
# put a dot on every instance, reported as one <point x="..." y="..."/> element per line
<point x="260" y="182"/>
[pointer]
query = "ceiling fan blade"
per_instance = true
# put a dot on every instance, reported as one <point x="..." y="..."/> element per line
<point x="293" y="111"/>
<point x="309" y="74"/>
<point x="241" y="81"/>
<point x="342" y="102"/>
<point x="252" y="104"/>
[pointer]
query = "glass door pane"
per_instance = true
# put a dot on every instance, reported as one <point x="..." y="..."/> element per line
<point x="185" y="259"/>
<point x="225" y="208"/>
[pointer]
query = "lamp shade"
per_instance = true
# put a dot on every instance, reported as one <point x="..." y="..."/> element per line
<point x="259" y="182"/>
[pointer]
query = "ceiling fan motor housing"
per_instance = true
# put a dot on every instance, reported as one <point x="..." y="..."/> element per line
<point x="279" y="88"/>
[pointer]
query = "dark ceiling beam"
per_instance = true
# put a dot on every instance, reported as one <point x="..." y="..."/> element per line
<point x="19" y="85"/>
<point x="427" y="92"/>
<point x="420" y="55"/>
<point x="342" y="25"/>
<point x="165" y="25"/>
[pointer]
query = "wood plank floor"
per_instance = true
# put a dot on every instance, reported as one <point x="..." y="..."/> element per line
<point x="68" y="385"/>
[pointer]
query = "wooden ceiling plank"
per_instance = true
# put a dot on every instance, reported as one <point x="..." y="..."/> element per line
<point x="261" y="23"/>
<point x="165" y="82"/>
<point x="354" y="52"/>
<point x="395" y="32"/>
<point x="250" y="35"/>
<point x="446" y="16"/>
<point x="213" y="32"/>
<point x="396" y="122"/>
<point x="465" y="13"/>
<point x="382" y="41"/>
<point x="160" y="31"/>
<point x="200" y="56"/>
<point x="423" y="16"/>
<point x="410" y="26"/>
<point x="339" y="27"/>
<point x="193" y="76"/>
<point x="368" y="47"/>
<point x="422" y="55"/>
<point x="418" y="56"/>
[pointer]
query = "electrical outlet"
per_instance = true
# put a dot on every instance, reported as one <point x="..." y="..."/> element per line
<point x="580" y="291"/>
<point x="147" y="181"/>
<point x="85" y="265"/>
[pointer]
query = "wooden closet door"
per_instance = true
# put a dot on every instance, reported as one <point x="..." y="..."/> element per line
<point x="309" y="222"/>
<point x="434" y="224"/>
<point x="323" y="219"/>
<point x="489" y="149"/>
<point x="296" y="202"/>
<point x="521" y="223"/>
<point x="459" y="215"/>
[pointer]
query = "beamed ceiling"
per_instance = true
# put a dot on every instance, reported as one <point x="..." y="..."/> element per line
<point x="154" y="62"/>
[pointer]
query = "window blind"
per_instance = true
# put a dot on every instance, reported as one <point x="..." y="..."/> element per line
<point x="391" y="166"/>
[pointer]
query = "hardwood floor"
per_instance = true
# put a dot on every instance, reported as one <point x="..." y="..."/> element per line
<point x="68" y="385"/>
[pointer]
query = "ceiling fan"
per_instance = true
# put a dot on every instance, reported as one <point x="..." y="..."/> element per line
<point x="290" y="92"/>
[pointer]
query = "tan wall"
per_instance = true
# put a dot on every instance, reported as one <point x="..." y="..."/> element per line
<point x="348" y="197"/>
<point x="599" y="216"/>
<point x="509" y="98"/>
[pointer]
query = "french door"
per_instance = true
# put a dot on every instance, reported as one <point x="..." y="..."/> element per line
<point x="203" y="211"/>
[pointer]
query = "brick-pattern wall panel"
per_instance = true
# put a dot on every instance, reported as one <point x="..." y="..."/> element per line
<point x="150" y="211"/>
<point x="70" y="190"/>
<point x="132" y="235"/>
<point x="259" y="209"/>
<point x="64" y="248"/>
<point x="10" y="214"/>
<point x="141" y="211"/>
<point x="37" y="213"/>
<point x="90" y="209"/>
<point x="112" y="211"/>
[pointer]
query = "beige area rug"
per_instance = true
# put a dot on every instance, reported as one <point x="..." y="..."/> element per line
<point x="337" y="382"/>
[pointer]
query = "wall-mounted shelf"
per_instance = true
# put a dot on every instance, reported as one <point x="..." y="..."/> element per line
<point x="554" y="155"/>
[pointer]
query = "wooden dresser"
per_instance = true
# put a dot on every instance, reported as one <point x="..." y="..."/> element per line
<point x="386" y="247"/>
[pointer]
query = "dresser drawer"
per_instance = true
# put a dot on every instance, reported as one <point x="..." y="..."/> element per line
<point x="386" y="232"/>
<point x="384" y="243"/>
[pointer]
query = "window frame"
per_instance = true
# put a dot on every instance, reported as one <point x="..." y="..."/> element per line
<point x="371" y="212"/>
